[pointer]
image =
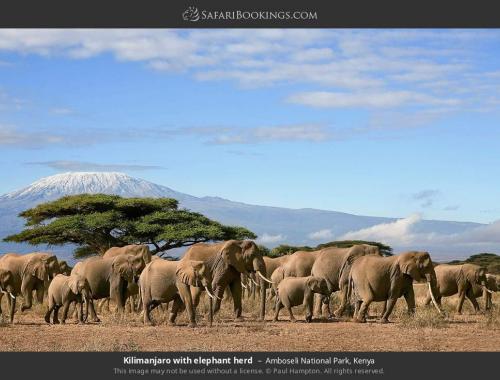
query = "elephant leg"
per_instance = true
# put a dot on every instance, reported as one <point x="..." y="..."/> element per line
<point x="289" y="308"/>
<point x="93" y="314"/>
<point x="195" y="294"/>
<point x="357" y="305"/>
<point x="176" y="306"/>
<point x="235" y="288"/>
<point x="277" y="308"/>
<point x="47" y="314"/>
<point x="361" y="315"/>
<point x="410" y="300"/>
<point x="461" y="299"/>
<point x="487" y="302"/>
<point x="79" y="305"/>
<point x="390" y="305"/>
<point x="65" y="312"/>
<point x="55" y="319"/>
<point x="472" y="299"/>
<point x="343" y="302"/>
<point x="1" y="296"/>
<point x="28" y="300"/>
<point x="317" y="307"/>
<point x="185" y="294"/>
<point x="262" y="290"/>
<point x="384" y="308"/>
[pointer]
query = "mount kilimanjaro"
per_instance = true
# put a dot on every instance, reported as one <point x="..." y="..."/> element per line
<point x="273" y="225"/>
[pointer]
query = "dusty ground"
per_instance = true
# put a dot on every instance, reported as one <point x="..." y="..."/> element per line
<point x="426" y="331"/>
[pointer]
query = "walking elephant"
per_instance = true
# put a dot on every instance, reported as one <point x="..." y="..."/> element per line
<point x="141" y="256"/>
<point x="463" y="279"/>
<point x="107" y="277"/>
<point x="63" y="291"/>
<point x="226" y="262"/>
<point x="334" y="265"/>
<point x="377" y="279"/>
<point x="158" y="284"/>
<point x="295" y="291"/>
<point x="29" y="272"/>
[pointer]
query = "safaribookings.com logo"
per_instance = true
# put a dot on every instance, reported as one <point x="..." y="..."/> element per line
<point x="192" y="14"/>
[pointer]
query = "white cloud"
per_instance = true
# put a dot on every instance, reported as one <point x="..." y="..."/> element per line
<point x="406" y="234"/>
<point x="385" y="99"/>
<point x="266" y="238"/>
<point x="394" y="233"/>
<point x="321" y="235"/>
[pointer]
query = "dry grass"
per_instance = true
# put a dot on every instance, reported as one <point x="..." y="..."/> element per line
<point x="425" y="331"/>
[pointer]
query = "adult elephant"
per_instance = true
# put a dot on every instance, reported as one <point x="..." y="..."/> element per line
<point x="226" y="262"/>
<point x="159" y="284"/>
<point x="107" y="277"/>
<point x="334" y="264"/>
<point x="29" y="272"/>
<point x="377" y="279"/>
<point x="141" y="256"/>
<point x="461" y="279"/>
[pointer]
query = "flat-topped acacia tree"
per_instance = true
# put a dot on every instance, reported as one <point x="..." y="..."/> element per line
<point x="96" y="222"/>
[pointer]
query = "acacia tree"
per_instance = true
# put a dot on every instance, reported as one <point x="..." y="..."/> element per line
<point x="96" y="222"/>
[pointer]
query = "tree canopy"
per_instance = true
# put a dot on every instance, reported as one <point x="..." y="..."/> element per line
<point x="490" y="261"/>
<point x="285" y="249"/>
<point x="96" y="222"/>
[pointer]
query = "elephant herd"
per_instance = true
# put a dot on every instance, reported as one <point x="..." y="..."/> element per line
<point x="360" y="275"/>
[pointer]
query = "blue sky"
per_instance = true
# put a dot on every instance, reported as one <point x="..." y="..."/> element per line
<point x="371" y="122"/>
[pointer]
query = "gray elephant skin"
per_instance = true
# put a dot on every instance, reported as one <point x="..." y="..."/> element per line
<point x="377" y="279"/>
<point x="158" y="284"/>
<point x="30" y="272"/>
<point x="65" y="290"/>
<point x="107" y="277"/>
<point x="295" y="291"/>
<point x="464" y="280"/>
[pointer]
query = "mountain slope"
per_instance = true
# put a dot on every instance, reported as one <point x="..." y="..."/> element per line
<point x="274" y="225"/>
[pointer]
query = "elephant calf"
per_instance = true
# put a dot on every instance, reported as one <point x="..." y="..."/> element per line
<point x="64" y="290"/>
<point x="159" y="284"/>
<point x="295" y="291"/>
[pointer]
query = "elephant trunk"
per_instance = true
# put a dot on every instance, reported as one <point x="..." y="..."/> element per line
<point x="210" y="311"/>
<point x="259" y="267"/>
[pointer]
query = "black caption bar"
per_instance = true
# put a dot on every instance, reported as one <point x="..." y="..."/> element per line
<point x="249" y="14"/>
<point x="227" y="365"/>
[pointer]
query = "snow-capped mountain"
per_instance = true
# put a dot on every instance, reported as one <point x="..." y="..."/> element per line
<point x="274" y="225"/>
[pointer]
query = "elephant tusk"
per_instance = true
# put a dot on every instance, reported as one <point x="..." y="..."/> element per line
<point x="485" y="288"/>
<point x="251" y="279"/>
<point x="433" y="299"/>
<point x="211" y="295"/>
<point x="12" y="296"/>
<point x="243" y="285"/>
<point x="262" y="276"/>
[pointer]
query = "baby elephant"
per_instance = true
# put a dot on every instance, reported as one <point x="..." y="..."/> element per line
<point x="295" y="291"/>
<point x="64" y="290"/>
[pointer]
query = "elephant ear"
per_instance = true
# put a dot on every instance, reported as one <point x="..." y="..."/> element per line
<point x="5" y="277"/>
<point x="190" y="271"/>
<point x="409" y="267"/>
<point x="314" y="284"/>
<point x="36" y="267"/>
<point x="146" y="254"/>
<point x="73" y="284"/>
<point x="232" y="255"/>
